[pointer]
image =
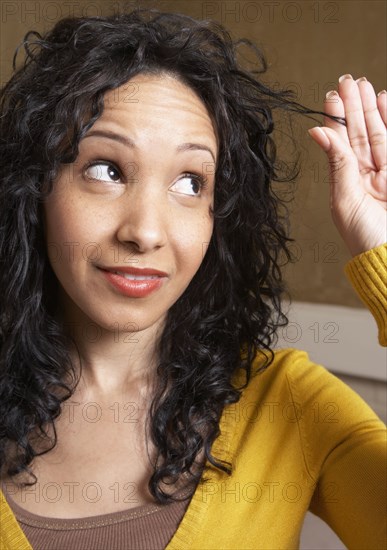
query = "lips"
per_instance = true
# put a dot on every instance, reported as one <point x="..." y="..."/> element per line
<point x="134" y="282"/>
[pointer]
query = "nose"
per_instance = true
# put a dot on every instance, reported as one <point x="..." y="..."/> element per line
<point x="143" y="219"/>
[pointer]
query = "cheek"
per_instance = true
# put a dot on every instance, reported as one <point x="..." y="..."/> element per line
<point x="70" y="233"/>
<point x="193" y="241"/>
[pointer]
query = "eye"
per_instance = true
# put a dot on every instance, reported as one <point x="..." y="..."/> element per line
<point x="102" y="171"/>
<point x="189" y="182"/>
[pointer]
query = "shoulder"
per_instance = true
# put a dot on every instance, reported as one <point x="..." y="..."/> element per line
<point x="294" y="376"/>
<point x="291" y="369"/>
<point x="327" y="414"/>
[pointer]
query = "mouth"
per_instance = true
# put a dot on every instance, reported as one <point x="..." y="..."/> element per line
<point x="133" y="286"/>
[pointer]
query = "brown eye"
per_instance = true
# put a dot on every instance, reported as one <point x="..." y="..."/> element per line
<point x="103" y="171"/>
<point x="190" y="184"/>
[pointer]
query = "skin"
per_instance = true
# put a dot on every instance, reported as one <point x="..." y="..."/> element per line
<point x="152" y="217"/>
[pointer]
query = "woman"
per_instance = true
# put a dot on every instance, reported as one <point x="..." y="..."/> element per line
<point x="142" y="405"/>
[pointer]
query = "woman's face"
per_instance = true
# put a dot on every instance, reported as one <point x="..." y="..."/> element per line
<point x="132" y="199"/>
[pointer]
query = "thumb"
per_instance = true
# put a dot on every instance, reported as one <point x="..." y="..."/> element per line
<point x="339" y="154"/>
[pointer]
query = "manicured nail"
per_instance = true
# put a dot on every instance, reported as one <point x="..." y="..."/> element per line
<point x="344" y="76"/>
<point x="382" y="92"/>
<point x="331" y="94"/>
<point x="361" y="78"/>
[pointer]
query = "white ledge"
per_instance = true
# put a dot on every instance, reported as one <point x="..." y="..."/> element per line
<point x="342" y="339"/>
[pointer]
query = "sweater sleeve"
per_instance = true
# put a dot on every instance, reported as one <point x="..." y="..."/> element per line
<point x="367" y="273"/>
<point x="344" y="449"/>
<point x="344" y="441"/>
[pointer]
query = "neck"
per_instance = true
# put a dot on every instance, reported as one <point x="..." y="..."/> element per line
<point x="112" y="362"/>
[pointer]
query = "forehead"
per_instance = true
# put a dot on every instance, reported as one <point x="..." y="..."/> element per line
<point x="159" y="102"/>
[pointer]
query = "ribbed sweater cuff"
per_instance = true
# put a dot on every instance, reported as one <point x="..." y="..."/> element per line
<point x="367" y="272"/>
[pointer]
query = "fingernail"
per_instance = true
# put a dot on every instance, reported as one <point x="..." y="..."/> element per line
<point x="344" y="76"/>
<point x="382" y="92"/>
<point x="331" y="94"/>
<point x="361" y="78"/>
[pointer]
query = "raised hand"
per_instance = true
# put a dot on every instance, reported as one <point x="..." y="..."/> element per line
<point x="357" y="156"/>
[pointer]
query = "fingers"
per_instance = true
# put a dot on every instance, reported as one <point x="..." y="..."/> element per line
<point x="366" y="120"/>
<point x="349" y="91"/>
<point x="333" y="105"/>
<point x="376" y="127"/>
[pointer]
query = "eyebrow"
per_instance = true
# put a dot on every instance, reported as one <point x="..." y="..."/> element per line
<point x="130" y="143"/>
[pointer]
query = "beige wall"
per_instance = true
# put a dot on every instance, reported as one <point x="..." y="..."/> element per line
<point x="309" y="44"/>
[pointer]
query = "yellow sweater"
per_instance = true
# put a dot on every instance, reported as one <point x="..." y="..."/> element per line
<point x="299" y="439"/>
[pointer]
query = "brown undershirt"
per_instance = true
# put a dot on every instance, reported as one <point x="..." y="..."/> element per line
<point x="147" y="527"/>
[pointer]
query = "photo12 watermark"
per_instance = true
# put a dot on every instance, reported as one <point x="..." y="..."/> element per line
<point x="271" y="12"/>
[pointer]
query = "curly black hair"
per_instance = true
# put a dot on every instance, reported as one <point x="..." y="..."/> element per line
<point x="229" y="314"/>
